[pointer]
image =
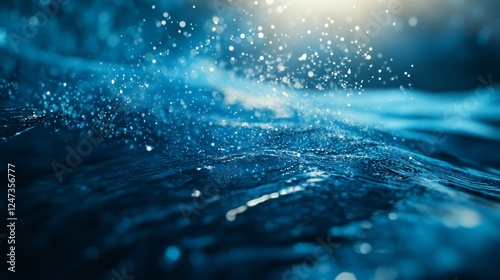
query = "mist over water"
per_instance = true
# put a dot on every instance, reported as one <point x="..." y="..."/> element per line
<point x="252" y="140"/>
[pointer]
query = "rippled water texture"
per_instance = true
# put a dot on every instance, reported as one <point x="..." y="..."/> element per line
<point x="186" y="169"/>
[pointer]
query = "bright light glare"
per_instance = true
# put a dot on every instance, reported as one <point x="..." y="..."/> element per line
<point x="327" y="7"/>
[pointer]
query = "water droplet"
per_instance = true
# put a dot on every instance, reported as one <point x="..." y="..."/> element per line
<point x="172" y="254"/>
<point x="413" y="21"/>
<point x="345" y="276"/>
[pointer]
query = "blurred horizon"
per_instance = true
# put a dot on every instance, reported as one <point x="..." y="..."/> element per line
<point x="449" y="43"/>
<point x="233" y="139"/>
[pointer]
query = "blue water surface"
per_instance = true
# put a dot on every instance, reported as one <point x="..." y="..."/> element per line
<point x="138" y="160"/>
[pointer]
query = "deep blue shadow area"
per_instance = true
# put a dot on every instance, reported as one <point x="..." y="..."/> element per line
<point x="251" y="140"/>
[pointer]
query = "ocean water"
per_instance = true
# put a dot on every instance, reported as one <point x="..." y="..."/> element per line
<point x="269" y="186"/>
<point x="184" y="168"/>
